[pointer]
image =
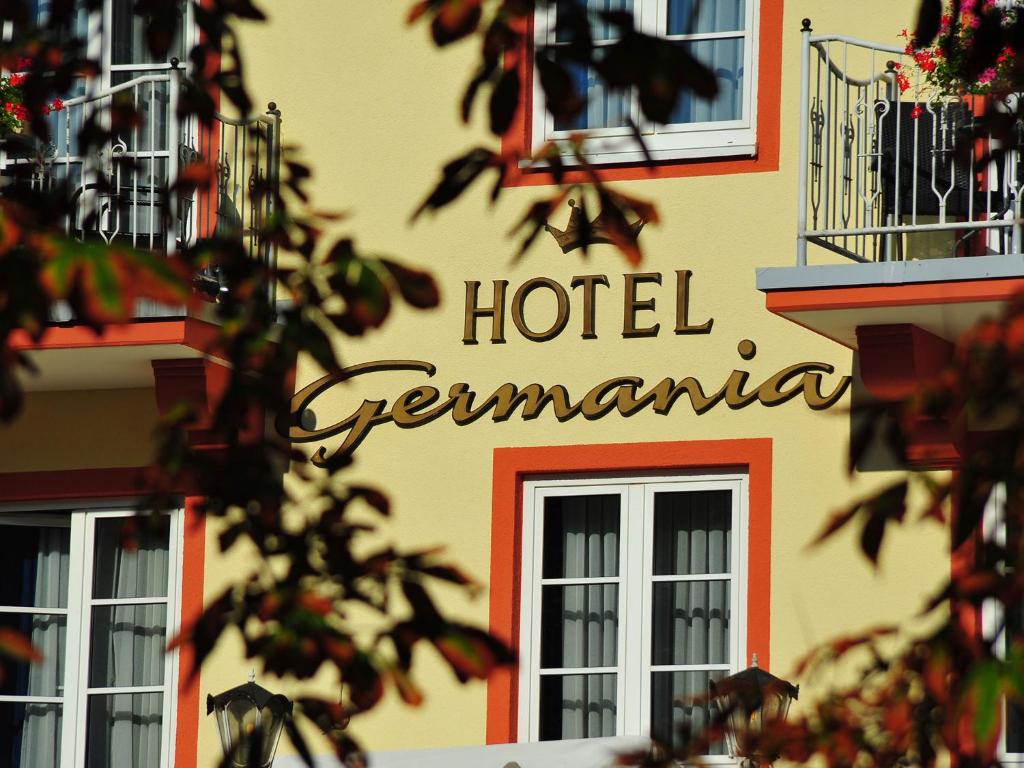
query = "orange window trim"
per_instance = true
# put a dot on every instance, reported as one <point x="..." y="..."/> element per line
<point x="518" y="138"/>
<point x="512" y="466"/>
<point x="121" y="482"/>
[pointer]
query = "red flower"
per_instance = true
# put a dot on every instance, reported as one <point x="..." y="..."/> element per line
<point x="24" y="64"/>
<point x="903" y="82"/>
<point x="58" y="104"/>
<point x="20" y="112"/>
<point x="8" y="107"/>
<point x="917" y="111"/>
<point x="17" y="79"/>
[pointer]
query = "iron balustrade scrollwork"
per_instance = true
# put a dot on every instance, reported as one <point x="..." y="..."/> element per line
<point x="123" y="191"/>
<point x="891" y="173"/>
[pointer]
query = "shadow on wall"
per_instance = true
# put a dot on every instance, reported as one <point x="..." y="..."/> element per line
<point x="878" y="455"/>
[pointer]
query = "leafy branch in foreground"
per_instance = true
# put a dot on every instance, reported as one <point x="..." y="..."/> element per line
<point x="657" y="70"/>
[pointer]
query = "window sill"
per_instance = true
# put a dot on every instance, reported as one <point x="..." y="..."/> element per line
<point x="657" y="155"/>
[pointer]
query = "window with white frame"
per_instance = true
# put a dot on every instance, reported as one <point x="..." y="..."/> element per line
<point x="1005" y="624"/>
<point x="632" y="601"/>
<point x="97" y="593"/>
<point x="720" y="33"/>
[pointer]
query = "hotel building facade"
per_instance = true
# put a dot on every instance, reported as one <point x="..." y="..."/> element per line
<point x="638" y="504"/>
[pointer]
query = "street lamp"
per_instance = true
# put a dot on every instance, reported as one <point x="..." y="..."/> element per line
<point x="249" y="718"/>
<point x="747" y="700"/>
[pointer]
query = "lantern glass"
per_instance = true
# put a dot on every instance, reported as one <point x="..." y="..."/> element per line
<point x="250" y="720"/>
<point x="748" y="699"/>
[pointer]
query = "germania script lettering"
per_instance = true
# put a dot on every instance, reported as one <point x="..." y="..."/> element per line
<point x="626" y="395"/>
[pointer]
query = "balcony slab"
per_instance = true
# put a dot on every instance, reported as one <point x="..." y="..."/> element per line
<point x="942" y="296"/>
<point x="76" y="358"/>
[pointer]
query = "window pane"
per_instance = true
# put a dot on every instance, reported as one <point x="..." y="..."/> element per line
<point x="34" y="566"/>
<point x="128" y="644"/>
<point x="47" y="633"/>
<point x="581" y="536"/>
<point x="129" y="44"/>
<point x="152" y="101"/>
<point x="124" y="729"/>
<point x="577" y="706"/>
<point x="725" y="57"/>
<point x="678" y="697"/>
<point x="30" y="735"/>
<point x="579" y="626"/>
<point x="691" y="622"/>
<point x="1014" y="712"/>
<point x="599" y="28"/>
<point x="605" y="108"/>
<point x="692" y="532"/>
<point x="130" y="557"/>
<point x="697" y="17"/>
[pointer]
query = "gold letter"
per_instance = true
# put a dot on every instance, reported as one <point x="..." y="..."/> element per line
<point x="561" y="318"/>
<point x="632" y="305"/>
<point x="589" y="282"/>
<point x="683" y="306"/>
<point x="495" y="312"/>
<point x="404" y="410"/>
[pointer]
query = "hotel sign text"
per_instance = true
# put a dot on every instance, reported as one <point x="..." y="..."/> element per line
<point x="625" y="395"/>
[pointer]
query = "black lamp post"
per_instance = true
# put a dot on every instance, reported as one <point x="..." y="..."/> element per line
<point x="747" y="700"/>
<point x="249" y="719"/>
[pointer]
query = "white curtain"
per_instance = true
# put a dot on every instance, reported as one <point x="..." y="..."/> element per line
<point x="128" y="35"/>
<point x="724" y="56"/>
<point x="605" y="108"/>
<point x="47" y="587"/>
<point x="128" y="643"/>
<point x="694" y="17"/>
<point x="690" y="618"/>
<point x="580" y="621"/>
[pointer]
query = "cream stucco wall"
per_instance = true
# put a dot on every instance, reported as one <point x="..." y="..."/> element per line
<point x="374" y="108"/>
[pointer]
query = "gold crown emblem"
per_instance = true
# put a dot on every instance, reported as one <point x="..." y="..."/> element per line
<point x="575" y="234"/>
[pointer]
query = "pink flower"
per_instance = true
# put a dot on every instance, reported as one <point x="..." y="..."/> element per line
<point x="917" y="111"/>
<point x="974" y="21"/>
<point x="987" y="76"/>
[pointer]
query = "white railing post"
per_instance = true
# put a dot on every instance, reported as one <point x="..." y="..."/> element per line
<point x="805" y="97"/>
<point x="174" y="92"/>
<point x="273" y="182"/>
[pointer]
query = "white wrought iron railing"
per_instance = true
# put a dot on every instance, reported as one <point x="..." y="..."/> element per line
<point x="891" y="172"/>
<point x="125" y="191"/>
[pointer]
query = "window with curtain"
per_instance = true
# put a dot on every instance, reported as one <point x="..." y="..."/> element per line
<point x="630" y="604"/>
<point x="1004" y="623"/>
<point x="93" y="590"/>
<point x="719" y="33"/>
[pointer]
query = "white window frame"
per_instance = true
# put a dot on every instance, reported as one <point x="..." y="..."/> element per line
<point x="81" y="521"/>
<point x="993" y="528"/>
<point x="681" y="141"/>
<point x="636" y="527"/>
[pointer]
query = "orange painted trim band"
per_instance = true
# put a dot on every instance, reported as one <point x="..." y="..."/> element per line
<point x="186" y="747"/>
<point x="513" y="465"/>
<point x="518" y="138"/>
<point x="83" y="484"/>
<point x="189" y="332"/>
<point x="862" y="297"/>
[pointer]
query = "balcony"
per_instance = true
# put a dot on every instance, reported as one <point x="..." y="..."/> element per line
<point x="908" y="214"/>
<point x="124" y="194"/>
